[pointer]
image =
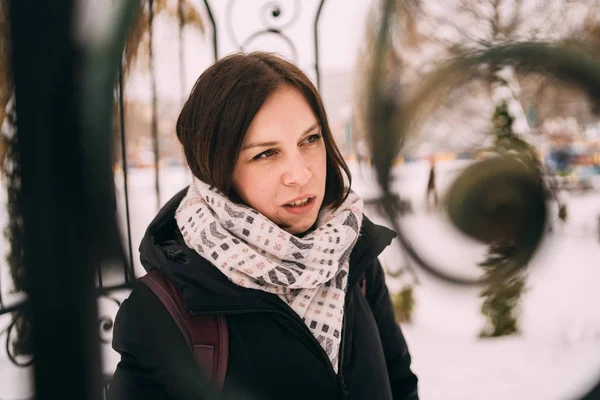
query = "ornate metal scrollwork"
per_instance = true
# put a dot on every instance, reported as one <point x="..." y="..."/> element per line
<point x="18" y="360"/>
<point x="275" y="16"/>
<point x="106" y="319"/>
<point x="272" y="11"/>
<point x="392" y="119"/>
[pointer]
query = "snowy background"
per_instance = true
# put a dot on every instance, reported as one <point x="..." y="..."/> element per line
<point x="557" y="355"/>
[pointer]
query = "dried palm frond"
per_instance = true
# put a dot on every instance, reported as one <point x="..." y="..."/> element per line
<point x="6" y="81"/>
<point x="136" y="48"/>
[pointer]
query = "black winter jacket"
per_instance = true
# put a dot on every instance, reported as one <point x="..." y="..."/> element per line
<point x="272" y="354"/>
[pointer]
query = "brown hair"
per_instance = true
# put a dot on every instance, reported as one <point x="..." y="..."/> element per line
<point x="223" y="103"/>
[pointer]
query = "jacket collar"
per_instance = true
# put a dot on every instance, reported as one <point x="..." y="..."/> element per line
<point x="205" y="289"/>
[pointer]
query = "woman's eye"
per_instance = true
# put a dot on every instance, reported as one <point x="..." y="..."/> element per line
<point x="265" y="154"/>
<point x="314" y="138"/>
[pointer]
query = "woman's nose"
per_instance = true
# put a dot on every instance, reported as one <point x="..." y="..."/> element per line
<point x="297" y="172"/>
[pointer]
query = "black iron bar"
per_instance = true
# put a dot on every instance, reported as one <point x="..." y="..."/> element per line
<point x="316" y="39"/>
<point x="1" y="302"/>
<point x="214" y="30"/>
<point x="13" y="307"/>
<point x="58" y="237"/>
<point x="129" y="272"/>
<point x="181" y="17"/>
<point x="154" y="120"/>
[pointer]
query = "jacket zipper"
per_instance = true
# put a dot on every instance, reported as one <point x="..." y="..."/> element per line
<point x="340" y="375"/>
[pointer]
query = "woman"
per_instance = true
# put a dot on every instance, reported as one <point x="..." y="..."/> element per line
<point x="269" y="235"/>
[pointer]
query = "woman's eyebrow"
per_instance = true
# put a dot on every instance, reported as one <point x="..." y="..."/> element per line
<point x="258" y="144"/>
<point x="312" y="128"/>
<point x="272" y="143"/>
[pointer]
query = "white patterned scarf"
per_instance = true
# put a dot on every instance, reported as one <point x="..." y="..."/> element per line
<point x="309" y="273"/>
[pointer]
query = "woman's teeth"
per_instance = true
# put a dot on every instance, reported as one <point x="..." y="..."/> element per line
<point x="298" y="203"/>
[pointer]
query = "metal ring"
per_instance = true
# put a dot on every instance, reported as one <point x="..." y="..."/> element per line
<point x="392" y="119"/>
<point x="269" y="7"/>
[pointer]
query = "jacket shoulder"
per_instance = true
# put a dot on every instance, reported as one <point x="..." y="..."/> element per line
<point x="154" y="353"/>
<point x="141" y="314"/>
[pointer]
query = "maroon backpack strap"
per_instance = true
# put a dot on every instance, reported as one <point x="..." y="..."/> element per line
<point x="363" y="284"/>
<point x="210" y="338"/>
<point x="207" y="336"/>
<point x="157" y="282"/>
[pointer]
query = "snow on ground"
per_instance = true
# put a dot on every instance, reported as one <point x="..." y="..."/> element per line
<point x="557" y="355"/>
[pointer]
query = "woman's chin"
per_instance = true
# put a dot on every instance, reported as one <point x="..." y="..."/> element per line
<point x="299" y="228"/>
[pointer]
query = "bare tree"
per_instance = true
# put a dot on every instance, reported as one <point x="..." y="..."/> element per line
<point x="438" y="31"/>
<point x="465" y="25"/>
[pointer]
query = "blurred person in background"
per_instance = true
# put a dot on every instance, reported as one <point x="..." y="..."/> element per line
<point x="431" y="195"/>
<point x="268" y="235"/>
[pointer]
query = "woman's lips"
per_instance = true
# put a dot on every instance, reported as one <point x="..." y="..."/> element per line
<point x="302" y="209"/>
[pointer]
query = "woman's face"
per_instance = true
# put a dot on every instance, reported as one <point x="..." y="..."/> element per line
<point x="281" y="168"/>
